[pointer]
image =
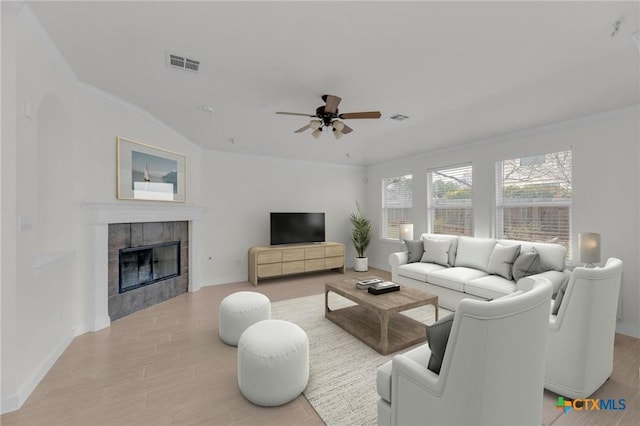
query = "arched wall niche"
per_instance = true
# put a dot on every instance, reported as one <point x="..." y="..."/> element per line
<point x="55" y="177"/>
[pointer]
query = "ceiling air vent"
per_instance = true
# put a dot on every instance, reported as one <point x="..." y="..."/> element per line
<point x="184" y="63"/>
<point x="398" y="117"/>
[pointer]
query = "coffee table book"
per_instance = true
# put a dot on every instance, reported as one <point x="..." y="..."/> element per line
<point x="383" y="287"/>
<point x="368" y="283"/>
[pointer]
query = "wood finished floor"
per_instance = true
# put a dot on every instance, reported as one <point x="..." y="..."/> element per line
<point x="166" y="365"/>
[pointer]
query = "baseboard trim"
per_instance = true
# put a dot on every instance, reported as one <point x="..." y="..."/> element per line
<point x="14" y="402"/>
<point x="10" y="404"/>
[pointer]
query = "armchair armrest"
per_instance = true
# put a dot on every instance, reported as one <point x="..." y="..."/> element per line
<point x="418" y="374"/>
<point x="525" y="284"/>
<point x="554" y="277"/>
<point x="415" y="392"/>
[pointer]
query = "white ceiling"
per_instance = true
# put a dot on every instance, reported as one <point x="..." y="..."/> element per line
<point x="462" y="71"/>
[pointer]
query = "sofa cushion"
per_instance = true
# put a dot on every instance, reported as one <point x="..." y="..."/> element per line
<point x="445" y="237"/>
<point x="436" y="251"/>
<point x="527" y="263"/>
<point x="552" y="255"/>
<point x="418" y="271"/>
<point x="419" y="354"/>
<point x="415" y="250"/>
<point x="453" y="278"/>
<point x="438" y="336"/>
<point x="501" y="260"/>
<point x="490" y="287"/>
<point x="474" y="252"/>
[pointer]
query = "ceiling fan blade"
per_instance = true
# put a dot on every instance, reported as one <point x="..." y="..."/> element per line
<point x="346" y="129"/>
<point x="332" y="103"/>
<point x="368" y="114"/>
<point x="295" y="113"/>
<point x="302" y="129"/>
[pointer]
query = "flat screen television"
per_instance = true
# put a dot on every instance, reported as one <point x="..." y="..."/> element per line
<point x="297" y="228"/>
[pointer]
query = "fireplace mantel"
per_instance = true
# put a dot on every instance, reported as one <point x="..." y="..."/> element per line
<point x="98" y="217"/>
<point x="130" y="213"/>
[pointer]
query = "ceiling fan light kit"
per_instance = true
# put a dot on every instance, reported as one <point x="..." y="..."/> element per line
<point x="328" y="116"/>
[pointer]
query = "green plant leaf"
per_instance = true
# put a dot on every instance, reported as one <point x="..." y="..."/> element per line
<point x="361" y="235"/>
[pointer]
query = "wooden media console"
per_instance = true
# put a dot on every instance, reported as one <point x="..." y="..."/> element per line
<point x="276" y="261"/>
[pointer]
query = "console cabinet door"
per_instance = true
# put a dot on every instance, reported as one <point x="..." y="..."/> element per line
<point x="314" y="252"/>
<point x="331" y="251"/>
<point x="269" y="256"/>
<point x="270" y="270"/>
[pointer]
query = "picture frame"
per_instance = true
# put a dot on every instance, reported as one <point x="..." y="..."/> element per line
<point x="145" y="172"/>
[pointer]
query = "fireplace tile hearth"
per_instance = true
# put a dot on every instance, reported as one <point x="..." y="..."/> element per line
<point x="131" y="235"/>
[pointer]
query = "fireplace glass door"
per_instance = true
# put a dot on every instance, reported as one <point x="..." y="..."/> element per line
<point x="140" y="266"/>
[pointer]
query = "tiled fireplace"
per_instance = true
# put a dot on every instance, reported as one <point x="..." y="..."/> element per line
<point x="148" y="264"/>
<point x="148" y="223"/>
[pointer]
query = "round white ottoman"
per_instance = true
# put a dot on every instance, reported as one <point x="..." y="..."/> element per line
<point x="240" y="310"/>
<point x="273" y="362"/>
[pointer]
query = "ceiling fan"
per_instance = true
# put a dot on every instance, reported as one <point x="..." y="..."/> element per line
<point x="327" y="115"/>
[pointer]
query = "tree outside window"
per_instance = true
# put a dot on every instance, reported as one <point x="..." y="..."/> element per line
<point x="397" y="205"/>
<point x="449" y="200"/>
<point x="534" y="198"/>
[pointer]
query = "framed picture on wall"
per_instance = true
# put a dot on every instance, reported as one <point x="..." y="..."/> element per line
<point x="145" y="172"/>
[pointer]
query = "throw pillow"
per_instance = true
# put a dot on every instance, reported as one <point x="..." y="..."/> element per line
<point x="436" y="251"/>
<point x="474" y="252"/>
<point x="560" y="295"/>
<point x="501" y="260"/>
<point x="415" y="249"/>
<point x="527" y="263"/>
<point x="438" y="336"/>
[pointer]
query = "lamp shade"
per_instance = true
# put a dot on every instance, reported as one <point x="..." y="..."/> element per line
<point x="317" y="132"/>
<point x="406" y="231"/>
<point x="315" y="124"/>
<point x="589" y="243"/>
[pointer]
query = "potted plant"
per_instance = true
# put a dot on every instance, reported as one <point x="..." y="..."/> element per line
<point x="361" y="238"/>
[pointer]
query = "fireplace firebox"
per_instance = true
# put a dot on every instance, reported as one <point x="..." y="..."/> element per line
<point x="145" y="265"/>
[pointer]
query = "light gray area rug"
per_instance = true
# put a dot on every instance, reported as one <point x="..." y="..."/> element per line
<point x="342" y="376"/>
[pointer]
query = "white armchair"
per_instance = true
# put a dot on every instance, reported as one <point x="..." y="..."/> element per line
<point x="579" y="357"/>
<point x="492" y="371"/>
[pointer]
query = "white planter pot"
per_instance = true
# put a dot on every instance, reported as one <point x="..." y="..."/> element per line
<point x="361" y="264"/>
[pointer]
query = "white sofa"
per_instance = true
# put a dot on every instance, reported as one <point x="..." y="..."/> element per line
<point x="471" y="267"/>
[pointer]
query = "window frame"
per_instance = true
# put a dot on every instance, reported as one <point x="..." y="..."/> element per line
<point x="432" y="205"/>
<point x="567" y="203"/>
<point x="384" y="213"/>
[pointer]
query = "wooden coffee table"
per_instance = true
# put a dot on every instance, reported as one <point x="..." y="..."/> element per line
<point x="376" y="320"/>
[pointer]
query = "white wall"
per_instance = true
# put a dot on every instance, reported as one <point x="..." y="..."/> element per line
<point x="240" y="191"/>
<point x="55" y="158"/>
<point x="38" y="296"/>
<point x="606" y="189"/>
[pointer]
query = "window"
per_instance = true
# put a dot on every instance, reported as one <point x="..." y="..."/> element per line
<point x="397" y="205"/>
<point x="449" y="204"/>
<point x="534" y="198"/>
